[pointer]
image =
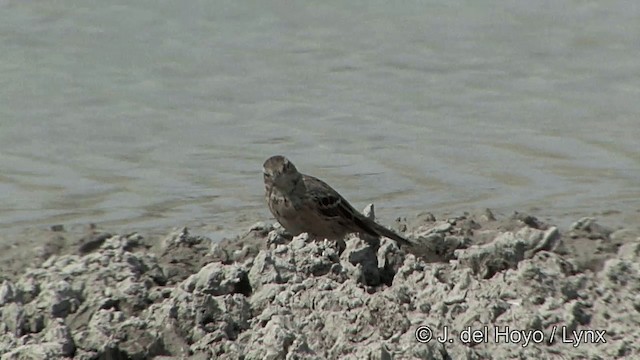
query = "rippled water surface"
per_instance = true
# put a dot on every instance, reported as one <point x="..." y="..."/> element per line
<point x="152" y="114"/>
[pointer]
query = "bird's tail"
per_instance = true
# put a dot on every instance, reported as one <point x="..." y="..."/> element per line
<point x="372" y="228"/>
<point x="383" y="231"/>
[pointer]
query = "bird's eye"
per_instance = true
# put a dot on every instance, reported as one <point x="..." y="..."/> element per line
<point x="266" y="174"/>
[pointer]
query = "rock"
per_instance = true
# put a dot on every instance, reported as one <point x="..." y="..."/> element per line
<point x="589" y="227"/>
<point x="507" y="250"/>
<point x="14" y="319"/>
<point x="364" y="261"/>
<point x="92" y="242"/>
<point x="369" y="212"/>
<point x="218" y="279"/>
<point x="277" y="237"/>
<point x="288" y="263"/>
<point x="220" y="254"/>
<point x="180" y="237"/>
<point x="8" y="293"/>
<point x="528" y="220"/>
<point x="44" y="350"/>
<point x="59" y="333"/>
<point x="304" y="299"/>
<point x="630" y="251"/>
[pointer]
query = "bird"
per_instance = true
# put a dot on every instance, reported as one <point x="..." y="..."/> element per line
<point x="305" y="204"/>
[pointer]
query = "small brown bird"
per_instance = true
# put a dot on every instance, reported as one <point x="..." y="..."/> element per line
<point x="303" y="203"/>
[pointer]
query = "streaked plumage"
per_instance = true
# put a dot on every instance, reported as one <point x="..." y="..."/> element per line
<point x="303" y="203"/>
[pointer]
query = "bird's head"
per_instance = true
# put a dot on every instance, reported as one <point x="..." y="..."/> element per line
<point x="281" y="173"/>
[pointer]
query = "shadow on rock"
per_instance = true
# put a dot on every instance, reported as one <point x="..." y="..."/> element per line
<point x="270" y="297"/>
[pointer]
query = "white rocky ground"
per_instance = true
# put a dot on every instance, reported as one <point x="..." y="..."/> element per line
<point x="261" y="296"/>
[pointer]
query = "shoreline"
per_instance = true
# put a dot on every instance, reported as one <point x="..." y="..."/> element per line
<point x="562" y="292"/>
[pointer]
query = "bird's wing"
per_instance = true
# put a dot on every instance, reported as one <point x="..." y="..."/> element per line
<point x="332" y="205"/>
<point x="326" y="200"/>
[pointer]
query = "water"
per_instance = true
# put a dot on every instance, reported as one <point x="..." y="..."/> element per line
<point x="153" y="114"/>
